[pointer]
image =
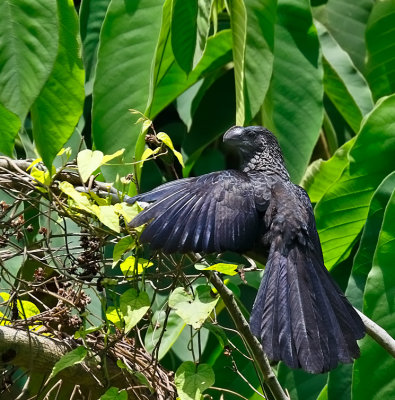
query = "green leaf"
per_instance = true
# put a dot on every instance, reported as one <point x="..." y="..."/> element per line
<point x="342" y="212"/>
<point x="192" y="380"/>
<point x="165" y="138"/>
<point x="224" y="268"/>
<point x="28" y="46"/>
<point x="114" y="315"/>
<point x="300" y="384"/>
<point x="114" y="393"/>
<point x="293" y="107"/>
<point x="184" y="32"/>
<point x="134" y="305"/>
<point x="56" y="111"/>
<point x="10" y="125"/>
<point x="91" y="19"/>
<point x="238" y="23"/>
<point x="258" y="58"/>
<point x="123" y="72"/>
<point x="203" y="28"/>
<point x="171" y="82"/>
<point x="343" y="83"/>
<point x="363" y="259"/>
<point x="81" y="201"/>
<point x="110" y="157"/>
<point x="125" y="244"/>
<point x="194" y="310"/>
<point x="71" y="358"/>
<point x="346" y="21"/>
<point x="380" y="43"/>
<point x="379" y="306"/>
<point x="130" y="267"/>
<point x="88" y="161"/>
<point x="320" y="175"/>
<point x="109" y="217"/>
<point x="168" y="333"/>
<point x="218" y="332"/>
<point x="128" y="211"/>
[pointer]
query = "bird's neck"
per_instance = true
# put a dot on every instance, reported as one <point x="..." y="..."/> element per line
<point x="269" y="161"/>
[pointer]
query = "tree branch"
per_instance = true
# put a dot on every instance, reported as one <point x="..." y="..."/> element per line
<point x="251" y="341"/>
<point x="37" y="353"/>
<point x="377" y="333"/>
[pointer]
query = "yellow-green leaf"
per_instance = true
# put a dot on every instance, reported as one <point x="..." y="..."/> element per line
<point x="224" y="268"/>
<point x="108" y="158"/>
<point x="128" y="266"/>
<point x="109" y="217"/>
<point x="80" y="200"/>
<point x="165" y="138"/>
<point x="88" y="161"/>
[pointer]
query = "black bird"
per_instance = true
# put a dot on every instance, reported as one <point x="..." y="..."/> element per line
<point x="300" y="315"/>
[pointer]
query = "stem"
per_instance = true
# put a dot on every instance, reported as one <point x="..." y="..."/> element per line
<point x="251" y="341"/>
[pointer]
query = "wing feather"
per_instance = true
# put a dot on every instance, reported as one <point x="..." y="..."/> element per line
<point x="210" y="213"/>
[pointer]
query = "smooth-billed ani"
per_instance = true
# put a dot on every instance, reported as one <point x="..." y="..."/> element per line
<point x="299" y="314"/>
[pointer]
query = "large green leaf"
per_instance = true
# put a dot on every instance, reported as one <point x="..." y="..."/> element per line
<point x="343" y="83"/>
<point x="299" y="384"/>
<point x="175" y="81"/>
<point x="380" y="43"/>
<point x="56" y="111"/>
<point x="28" y="45"/>
<point x="184" y="32"/>
<point x="92" y="13"/>
<point x="123" y="73"/>
<point x="346" y="21"/>
<point x="10" y="124"/>
<point x="258" y="57"/>
<point x="293" y="108"/>
<point x="379" y="306"/>
<point x="342" y="212"/>
<point x="321" y="175"/>
<point x="364" y="258"/>
<point x="238" y="23"/>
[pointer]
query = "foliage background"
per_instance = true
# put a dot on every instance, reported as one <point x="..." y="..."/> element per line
<point x="321" y="75"/>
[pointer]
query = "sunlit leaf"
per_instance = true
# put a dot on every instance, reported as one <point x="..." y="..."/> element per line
<point x="378" y="304"/>
<point x="132" y="266"/>
<point x="88" y="161"/>
<point x="80" y="200"/>
<point x="134" y="305"/>
<point x="342" y="211"/>
<point x="194" y="310"/>
<point x="71" y="358"/>
<point x="108" y="216"/>
<point x="110" y="157"/>
<point x="165" y="138"/>
<point x="56" y="111"/>
<point x="28" y="47"/>
<point x="125" y="244"/>
<point x="193" y="379"/>
<point x="224" y="268"/>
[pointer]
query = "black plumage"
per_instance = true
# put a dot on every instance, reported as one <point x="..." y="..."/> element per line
<point x="299" y="314"/>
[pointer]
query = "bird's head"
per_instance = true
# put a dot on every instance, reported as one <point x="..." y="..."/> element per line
<point x="251" y="140"/>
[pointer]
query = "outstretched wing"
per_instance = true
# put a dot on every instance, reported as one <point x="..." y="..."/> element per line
<point x="209" y="213"/>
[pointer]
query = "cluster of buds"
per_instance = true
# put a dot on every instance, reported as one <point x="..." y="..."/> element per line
<point x="89" y="260"/>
